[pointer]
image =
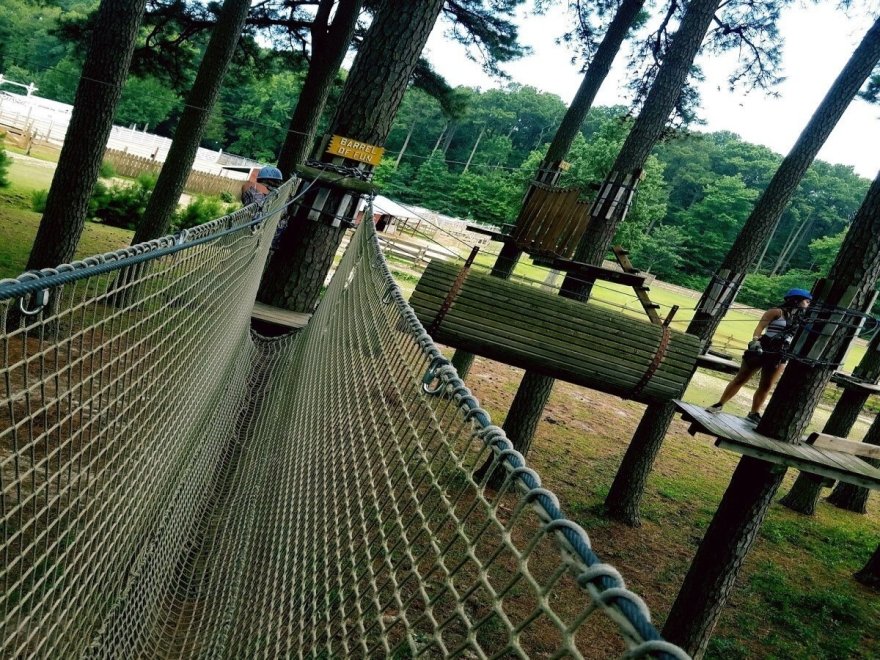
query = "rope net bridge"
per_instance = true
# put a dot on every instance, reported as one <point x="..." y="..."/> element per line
<point x="174" y="485"/>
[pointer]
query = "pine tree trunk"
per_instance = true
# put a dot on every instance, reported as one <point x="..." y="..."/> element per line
<point x="196" y="113"/>
<point x="330" y="43"/>
<point x="405" y="145"/>
<point x="574" y="116"/>
<point x="713" y="571"/>
<point x="474" y="150"/>
<point x="870" y="574"/>
<point x="97" y="95"/>
<point x="625" y="496"/>
<point x="768" y="209"/>
<point x="650" y="123"/>
<point x="370" y="99"/>
<point x="739" y="517"/>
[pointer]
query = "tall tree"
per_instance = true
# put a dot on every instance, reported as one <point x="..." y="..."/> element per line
<point x="626" y="491"/>
<point x="331" y="34"/>
<point x="804" y="493"/>
<point x="97" y="95"/>
<point x="550" y="168"/>
<point x="665" y="92"/>
<point x="737" y="522"/>
<point x="372" y="94"/>
<point x="193" y="121"/>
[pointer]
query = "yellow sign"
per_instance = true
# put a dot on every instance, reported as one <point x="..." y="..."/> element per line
<point x="359" y="151"/>
<point x="564" y="165"/>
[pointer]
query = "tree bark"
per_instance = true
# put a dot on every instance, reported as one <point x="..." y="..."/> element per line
<point x="330" y="43"/>
<point x="97" y="95"/>
<point x="870" y="574"/>
<point x="370" y="99"/>
<point x="804" y="494"/>
<point x="625" y="496"/>
<point x="744" y="505"/>
<point x="768" y="209"/>
<point x="196" y="113"/>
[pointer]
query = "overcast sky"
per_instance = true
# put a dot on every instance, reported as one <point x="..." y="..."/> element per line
<point x="819" y="40"/>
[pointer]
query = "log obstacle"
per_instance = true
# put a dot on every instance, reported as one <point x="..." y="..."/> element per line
<point x="581" y="343"/>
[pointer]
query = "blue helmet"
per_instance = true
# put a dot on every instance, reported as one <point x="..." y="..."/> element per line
<point x="798" y="293"/>
<point x="269" y="173"/>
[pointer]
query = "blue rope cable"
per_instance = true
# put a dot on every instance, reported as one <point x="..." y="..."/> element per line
<point x="640" y="623"/>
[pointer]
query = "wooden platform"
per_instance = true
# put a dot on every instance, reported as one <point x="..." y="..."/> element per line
<point x="590" y="272"/>
<point x="494" y="234"/>
<point x="739" y="436"/>
<point x="717" y="363"/>
<point x="281" y="317"/>
<point x="852" y="383"/>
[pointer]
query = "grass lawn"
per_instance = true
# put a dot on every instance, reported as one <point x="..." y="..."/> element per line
<point x="18" y="224"/>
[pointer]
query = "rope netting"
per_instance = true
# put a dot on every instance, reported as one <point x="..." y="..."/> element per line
<point x="175" y="485"/>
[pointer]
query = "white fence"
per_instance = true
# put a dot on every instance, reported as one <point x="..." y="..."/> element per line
<point x="46" y="121"/>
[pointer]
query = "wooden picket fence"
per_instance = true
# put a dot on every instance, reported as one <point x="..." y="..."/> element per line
<point x="200" y="183"/>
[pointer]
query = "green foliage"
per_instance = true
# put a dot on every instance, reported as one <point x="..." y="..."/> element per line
<point x="660" y="251"/>
<point x="38" y="200"/>
<point x="227" y="197"/>
<point x="147" y="101"/>
<point x="199" y="211"/>
<point x="4" y="165"/>
<point x="765" y="291"/>
<point x="824" y="251"/>
<point x="107" y="171"/>
<point x="121" y="205"/>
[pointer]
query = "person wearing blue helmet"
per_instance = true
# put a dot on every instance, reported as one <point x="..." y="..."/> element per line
<point x="766" y="351"/>
<point x="258" y="186"/>
<point x="260" y="183"/>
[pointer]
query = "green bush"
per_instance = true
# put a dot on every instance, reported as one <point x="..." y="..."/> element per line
<point x="4" y="164"/>
<point x="227" y="197"/>
<point x="107" y="170"/>
<point x="200" y="211"/>
<point x="121" y="205"/>
<point x="38" y="200"/>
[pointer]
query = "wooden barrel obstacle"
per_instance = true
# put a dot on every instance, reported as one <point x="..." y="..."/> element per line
<point x="583" y="344"/>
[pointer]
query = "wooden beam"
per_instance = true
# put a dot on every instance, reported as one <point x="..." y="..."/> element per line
<point x="282" y="317"/>
<point x="835" y="443"/>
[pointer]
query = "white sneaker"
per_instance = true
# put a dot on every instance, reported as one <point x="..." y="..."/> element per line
<point x="715" y="408"/>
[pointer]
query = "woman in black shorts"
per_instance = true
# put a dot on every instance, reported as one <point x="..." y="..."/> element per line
<point x="771" y="337"/>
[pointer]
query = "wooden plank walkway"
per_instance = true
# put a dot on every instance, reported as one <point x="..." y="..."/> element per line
<point x="848" y="382"/>
<point x="282" y="317"/>
<point x="738" y="435"/>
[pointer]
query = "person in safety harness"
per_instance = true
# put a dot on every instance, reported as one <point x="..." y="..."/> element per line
<point x="258" y="186"/>
<point x="766" y="351"/>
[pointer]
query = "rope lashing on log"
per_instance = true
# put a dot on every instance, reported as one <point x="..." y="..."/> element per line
<point x="655" y="363"/>
<point x="177" y="486"/>
<point x="584" y="344"/>
<point x="453" y="291"/>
